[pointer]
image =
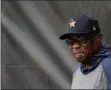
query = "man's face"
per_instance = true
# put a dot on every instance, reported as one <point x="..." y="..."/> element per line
<point x="82" y="47"/>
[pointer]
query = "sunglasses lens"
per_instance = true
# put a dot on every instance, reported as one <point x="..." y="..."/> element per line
<point x="79" y="41"/>
<point x="70" y="42"/>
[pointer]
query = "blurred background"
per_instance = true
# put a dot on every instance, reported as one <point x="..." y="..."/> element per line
<point x="33" y="57"/>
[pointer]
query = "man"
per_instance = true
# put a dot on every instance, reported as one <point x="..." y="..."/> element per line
<point x="84" y="40"/>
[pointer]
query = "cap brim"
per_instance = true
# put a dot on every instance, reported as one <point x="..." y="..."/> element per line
<point x="67" y="35"/>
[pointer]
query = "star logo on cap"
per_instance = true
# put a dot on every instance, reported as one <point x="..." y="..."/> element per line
<point x="72" y="23"/>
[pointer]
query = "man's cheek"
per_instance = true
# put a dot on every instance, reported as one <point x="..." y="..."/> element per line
<point x="71" y="50"/>
<point x="89" y="48"/>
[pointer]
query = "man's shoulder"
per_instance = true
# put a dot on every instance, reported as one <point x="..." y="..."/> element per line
<point x="108" y="49"/>
<point x="106" y="55"/>
<point x="106" y="64"/>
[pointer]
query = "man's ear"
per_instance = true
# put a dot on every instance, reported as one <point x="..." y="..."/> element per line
<point x="99" y="37"/>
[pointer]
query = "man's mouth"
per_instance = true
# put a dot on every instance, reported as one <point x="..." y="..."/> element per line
<point x="79" y="54"/>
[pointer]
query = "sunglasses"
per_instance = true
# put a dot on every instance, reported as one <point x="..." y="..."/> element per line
<point x="80" y="41"/>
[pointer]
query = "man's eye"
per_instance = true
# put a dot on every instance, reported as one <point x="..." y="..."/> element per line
<point x="69" y="42"/>
<point x="83" y="41"/>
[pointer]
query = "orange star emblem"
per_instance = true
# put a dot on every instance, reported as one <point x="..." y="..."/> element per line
<point x="72" y="23"/>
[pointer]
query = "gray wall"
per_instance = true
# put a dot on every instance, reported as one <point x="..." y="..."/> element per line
<point x="33" y="57"/>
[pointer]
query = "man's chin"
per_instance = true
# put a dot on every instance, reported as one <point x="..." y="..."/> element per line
<point x="80" y="60"/>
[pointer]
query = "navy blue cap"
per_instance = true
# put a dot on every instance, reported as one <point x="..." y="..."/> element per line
<point x="81" y="25"/>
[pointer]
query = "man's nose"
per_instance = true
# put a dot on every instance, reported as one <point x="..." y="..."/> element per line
<point x="76" y="45"/>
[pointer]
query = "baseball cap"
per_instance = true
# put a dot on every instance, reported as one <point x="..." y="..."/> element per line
<point x="81" y="25"/>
